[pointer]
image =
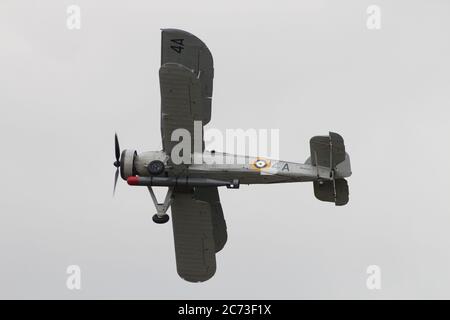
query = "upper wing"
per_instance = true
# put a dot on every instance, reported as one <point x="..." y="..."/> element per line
<point x="186" y="78"/>
<point x="180" y="104"/>
<point x="199" y="230"/>
<point x="211" y="195"/>
<point x="193" y="234"/>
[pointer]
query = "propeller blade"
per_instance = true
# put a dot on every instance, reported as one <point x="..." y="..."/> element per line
<point x="117" y="147"/>
<point x="116" y="176"/>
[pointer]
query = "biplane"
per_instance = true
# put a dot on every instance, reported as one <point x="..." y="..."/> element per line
<point x="199" y="228"/>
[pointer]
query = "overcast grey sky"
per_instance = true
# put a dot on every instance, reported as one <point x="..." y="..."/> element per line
<point x="301" y="67"/>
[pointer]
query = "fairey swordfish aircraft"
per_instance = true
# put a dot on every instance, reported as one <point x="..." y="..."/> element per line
<point x="199" y="228"/>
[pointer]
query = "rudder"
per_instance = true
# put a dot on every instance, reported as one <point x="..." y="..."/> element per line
<point x="329" y="152"/>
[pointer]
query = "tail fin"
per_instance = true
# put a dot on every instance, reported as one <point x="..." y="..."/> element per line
<point x="329" y="151"/>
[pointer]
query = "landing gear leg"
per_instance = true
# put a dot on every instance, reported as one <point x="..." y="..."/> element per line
<point x="161" y="208"/>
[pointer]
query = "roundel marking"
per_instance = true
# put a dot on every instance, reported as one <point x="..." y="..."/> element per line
<point x="260" y="163"/>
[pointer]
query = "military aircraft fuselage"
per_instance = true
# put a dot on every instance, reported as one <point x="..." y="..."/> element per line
<point x="229" y="167"/>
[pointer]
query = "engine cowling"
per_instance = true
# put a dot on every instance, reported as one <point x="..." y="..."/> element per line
<point x="127" y="163"/>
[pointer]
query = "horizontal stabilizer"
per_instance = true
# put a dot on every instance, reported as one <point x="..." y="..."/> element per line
<point x="332" y="191"/>
<point x="327" y="151"/>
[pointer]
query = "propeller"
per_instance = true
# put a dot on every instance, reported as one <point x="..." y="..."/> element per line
<point x="117" y="162"/>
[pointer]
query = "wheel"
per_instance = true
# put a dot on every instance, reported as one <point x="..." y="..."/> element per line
<point x="155" y="167"/>
<point x="160" y="219"/>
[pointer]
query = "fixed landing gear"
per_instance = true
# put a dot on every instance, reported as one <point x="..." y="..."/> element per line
<point x="160" y="219"/>
<point x="161" y="208"/>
